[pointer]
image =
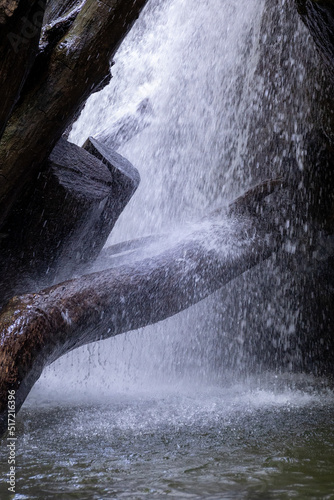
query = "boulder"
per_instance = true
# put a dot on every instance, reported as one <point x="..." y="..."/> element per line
<point x="64" y="222"/>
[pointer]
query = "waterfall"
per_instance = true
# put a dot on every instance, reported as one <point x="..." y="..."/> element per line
<point x="194" y="67"/>
<point x="197" y="72"/>
<point x="207" y="99"/>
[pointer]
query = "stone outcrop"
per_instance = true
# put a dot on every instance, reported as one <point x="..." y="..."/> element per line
<point x="63" y="223"/>
<point x="59" y="82"/>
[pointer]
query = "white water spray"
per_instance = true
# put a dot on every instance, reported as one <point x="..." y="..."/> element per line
<point x="195" y="67"/>
<point x="223" y="117"/>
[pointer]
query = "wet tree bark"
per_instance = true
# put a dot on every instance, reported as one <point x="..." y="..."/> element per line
<point x="20" y="29"/>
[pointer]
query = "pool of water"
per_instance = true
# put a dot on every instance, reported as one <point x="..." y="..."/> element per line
<point x="245" y="441"/>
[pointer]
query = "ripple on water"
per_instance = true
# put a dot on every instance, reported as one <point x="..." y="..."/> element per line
<point x="237" y="442"/>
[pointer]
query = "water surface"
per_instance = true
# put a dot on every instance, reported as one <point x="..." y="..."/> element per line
<point x="239" y="442"/>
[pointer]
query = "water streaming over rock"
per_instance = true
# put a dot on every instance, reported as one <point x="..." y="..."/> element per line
<point x="206" y="102"/>
<point x="193" y="68"/>
<point x="213" y="97"/>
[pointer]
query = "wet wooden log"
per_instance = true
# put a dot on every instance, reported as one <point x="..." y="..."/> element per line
<point x="60" y="83"/>
<point x="36" y="329"/>
<point x="122" y="179"/>
<point x="65" y="221"/>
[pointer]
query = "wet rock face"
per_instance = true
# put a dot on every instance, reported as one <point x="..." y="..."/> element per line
<point x="65" y="220"/>
<point x="282" y="309"/>
<point x="7" y="9"/>
<point x="21" y="24"/>
<point x="318" y="15"/>
<point x="57" y="8"/>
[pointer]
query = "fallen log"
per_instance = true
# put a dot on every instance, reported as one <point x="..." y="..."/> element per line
<point x="123" y="252"/>
<point x="36" y="329"/>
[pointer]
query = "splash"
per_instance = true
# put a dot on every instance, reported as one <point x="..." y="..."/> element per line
<point x="189" y="87"/>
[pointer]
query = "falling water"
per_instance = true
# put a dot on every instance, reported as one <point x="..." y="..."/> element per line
<point x="163" y="411"/>
<point x="221" y="112"/>
<point x="194" y="68"/>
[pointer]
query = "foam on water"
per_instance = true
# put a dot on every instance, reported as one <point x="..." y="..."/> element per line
<point x="266" y="437"/>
